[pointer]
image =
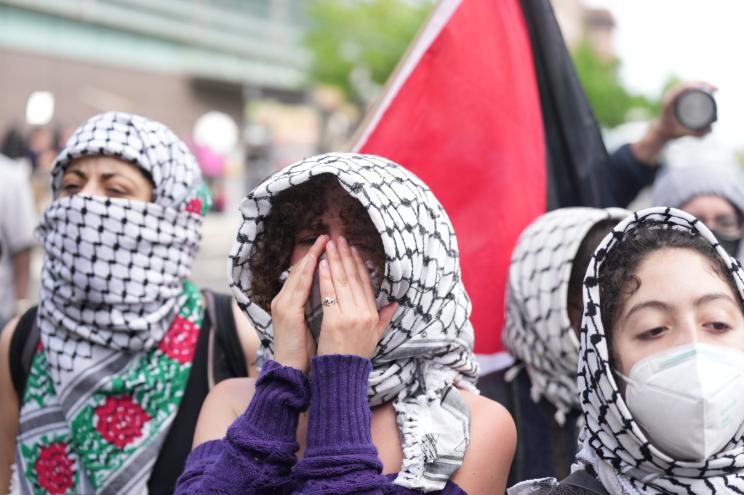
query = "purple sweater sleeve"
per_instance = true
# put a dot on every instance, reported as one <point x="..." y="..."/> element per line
<point x="340" y="457"/>
<point x="258" y="452"/>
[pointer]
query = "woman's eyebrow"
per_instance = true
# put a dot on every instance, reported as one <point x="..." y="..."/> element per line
<point x="77" y="172"/>
<point x="715" y="296"/>
<point x="653" y="304"/>
<point x="112" y="175"/>
<point x="662" y="306"/>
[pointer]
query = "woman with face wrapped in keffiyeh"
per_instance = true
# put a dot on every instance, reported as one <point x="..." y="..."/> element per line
<point x="661" y="364"/>
<point x="111" y="369"/>
<point x="388" y="374"/>
<point x="543" y="313"/>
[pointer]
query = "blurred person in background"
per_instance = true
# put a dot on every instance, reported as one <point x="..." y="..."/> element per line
<point x="42" y="148"/>
<point x="14" y="144"/>
<point x="635" y="165"/>
<point x="17" y="224"/>
<point x="543" y="316"/>
<point x="713" y="194"/>
<point x="103" y="382"/>
<point x="348" y="267"/>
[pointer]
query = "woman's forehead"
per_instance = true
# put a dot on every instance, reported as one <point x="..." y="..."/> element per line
<point x="678" y="275"/>
<point x="708" y="205"/>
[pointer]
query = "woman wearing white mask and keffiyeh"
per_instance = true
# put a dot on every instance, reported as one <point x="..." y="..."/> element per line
<point x="661" y="365"/>
<point x="543" y="314"/>
<point x="402" y="347"/>
<point x="119" y="327"/>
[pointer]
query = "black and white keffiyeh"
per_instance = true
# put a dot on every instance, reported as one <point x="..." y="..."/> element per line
<point x="538" y="331"/>
<point x="427" y="349"/>
<point x="613" y="442"/>
<point x="114" y="268"/>
<point x="114" y="279"/>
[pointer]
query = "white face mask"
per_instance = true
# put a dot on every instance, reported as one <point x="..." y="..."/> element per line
<point x="688" y="399"/>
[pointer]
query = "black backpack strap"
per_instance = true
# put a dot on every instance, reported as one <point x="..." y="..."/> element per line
<point x="226" y="357"/>
<point x="584" y="480"/>
<point x="22" y="349"/>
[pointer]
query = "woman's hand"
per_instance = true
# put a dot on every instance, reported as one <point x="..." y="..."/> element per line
<point x="293" y="343"/>
<point x="351" y="325"/>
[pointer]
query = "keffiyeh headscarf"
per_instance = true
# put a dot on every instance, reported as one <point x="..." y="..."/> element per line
<point x="613" y="442"/>
<point x="117" y="316"/>
<point x="538" y="330"/>
<point x="427" y="349"/>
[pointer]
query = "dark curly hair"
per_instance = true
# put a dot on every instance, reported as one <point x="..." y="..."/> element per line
<point x="617" y="277"/>
<point x="301" y="208"/>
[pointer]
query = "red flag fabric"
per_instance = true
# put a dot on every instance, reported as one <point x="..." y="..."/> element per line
<point x="462" y="111"/>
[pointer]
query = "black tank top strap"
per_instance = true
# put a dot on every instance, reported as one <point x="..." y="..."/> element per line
<point x="23" y="345"/>
<point x="227" y="359"/>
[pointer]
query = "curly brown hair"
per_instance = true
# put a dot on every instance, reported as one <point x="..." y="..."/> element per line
<point x="617" y="277"/>
<point x="301" y="208"/>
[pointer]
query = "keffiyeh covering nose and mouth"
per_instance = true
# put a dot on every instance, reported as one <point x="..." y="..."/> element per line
<point x="538" y="330"/>
<point x="118" y="318"/>
<point x="427" y="349"/>
<point x="612" y="440"/>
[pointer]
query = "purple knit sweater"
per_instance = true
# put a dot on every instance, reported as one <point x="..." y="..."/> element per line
<point x="257" y="456"/>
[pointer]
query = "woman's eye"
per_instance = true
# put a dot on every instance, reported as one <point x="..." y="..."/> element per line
<point x="718" y="326"/>
<point x="727" y="222"/>
<point x="307" y="241"/>
<point x="113" y="191"/>
<point x="652" y="333"/>
<point x="70" y="187"/>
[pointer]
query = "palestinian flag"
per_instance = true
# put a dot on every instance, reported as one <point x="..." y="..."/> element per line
<point x="487" y="109"/>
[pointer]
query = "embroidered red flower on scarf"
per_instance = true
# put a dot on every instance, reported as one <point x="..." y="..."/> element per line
<point x="179" y="343"/>
<point x="194" y="206"/>
<point x="120" y="420"/>
<point x="54" y="468"/>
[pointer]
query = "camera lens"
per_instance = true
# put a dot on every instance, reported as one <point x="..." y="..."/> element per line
<point x="696" y="109"/>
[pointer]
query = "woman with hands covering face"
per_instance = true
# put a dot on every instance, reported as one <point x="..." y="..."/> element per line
<point x="381" y="399"/>
<point x="351" y="322"/>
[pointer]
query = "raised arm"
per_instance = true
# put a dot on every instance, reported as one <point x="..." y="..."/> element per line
<point x="634" y="166"/>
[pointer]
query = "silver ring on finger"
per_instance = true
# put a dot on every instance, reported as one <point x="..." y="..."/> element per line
<point x="329" y="301"/>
